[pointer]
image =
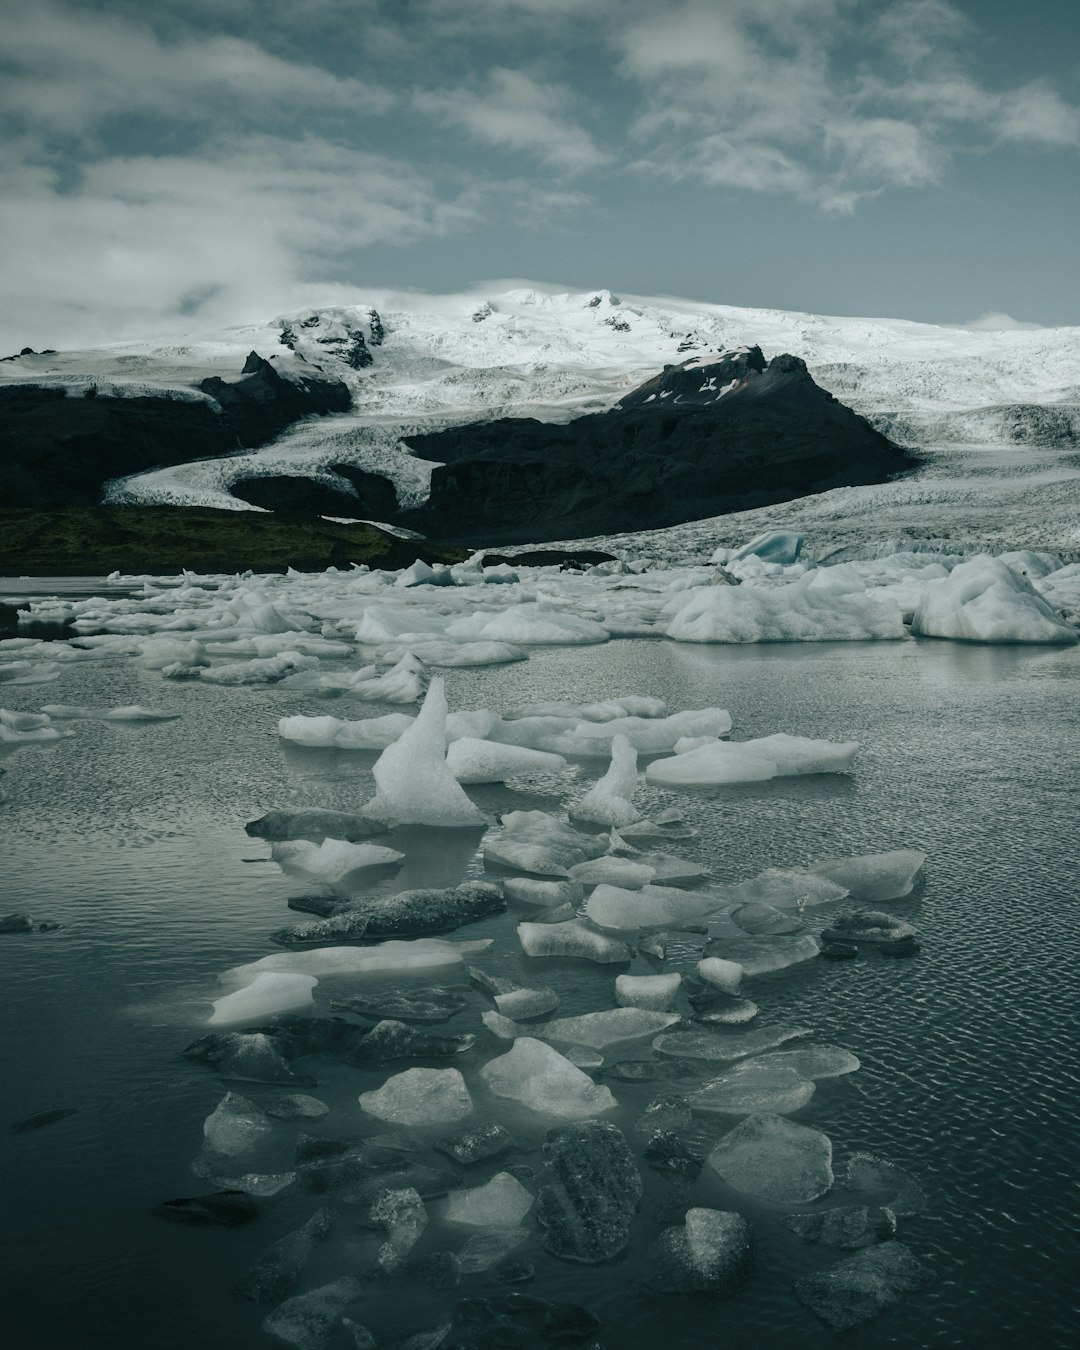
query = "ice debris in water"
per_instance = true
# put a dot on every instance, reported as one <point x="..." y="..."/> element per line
<point x="589" y="1192"/>
<point x="307" y="1321"/>
<point x="776" y="1160"/>
<point x="759" y="956"/>
<point x="413" y="780"/>
<point x="704" y="1043"/>
<point x="814" y="1061"/>
<point x="753" y="1086"/>
<point x="268" y="993"/>
<point x="721" y="762"/>
<point x="388" y="958"/>
<point x="484" y="1250"/>
<point x="863" y="1285"/>
<point x="848" y="1226"/>
<point x="574" y="939"/>
<point x="625" y="872"/>
<point x="608" y="801"/>
<point x="476" y="761"/>
<point x="420" y="1097"/>
<point x="403" y="683"/>
<point x="234" y="1126"/>
<point x="709" y="1253"/>
<point x="401" y="1214"/>
<point x="761" y="920"/>
<point x="875" y="877"/>
<point x="251" y="1057"/>
<point x="501" y="1203"/>
<point x="333" y="858"/>
<point x="538" y="1077"/>
<point x="787" y="888"/>
<point x="476" y="1143"/>
<point x="277" y="1271"/>
<point x="896" y="1188"/>
<point x="624" y="910"/>
<point x="373" y="733"/>
<point x="295" y="1106"/>
<point x="533" y="841"/>
<point x="26" y="728"/>
<point x="657" y="992"/>
<point x="723" y="975"/>
<point x="533" y="891"/>
<point x="599" y="1029"/>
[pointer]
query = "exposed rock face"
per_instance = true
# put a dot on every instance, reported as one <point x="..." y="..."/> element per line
<point x="60" y="447"/>
<point x="699" y="439"/>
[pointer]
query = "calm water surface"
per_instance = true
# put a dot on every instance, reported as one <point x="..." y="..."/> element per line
<point x="132" y="836"/>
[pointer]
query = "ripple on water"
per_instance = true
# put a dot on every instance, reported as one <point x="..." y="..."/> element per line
<point x="132" y="837"/>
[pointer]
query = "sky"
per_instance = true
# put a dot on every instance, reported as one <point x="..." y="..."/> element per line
<point x="184" y="165"/>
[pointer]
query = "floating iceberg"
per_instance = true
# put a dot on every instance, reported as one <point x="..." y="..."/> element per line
<point x="874" y="877"/>
<point x="477" y="761"/>
<point x="333" y="858"/>
<point x="538" y="1077"/>
<point x="574" y="939"/>
<point x="388" y="958"/>
<point x="984" y="600"/>
<point x="655" y="992"/>
<point x="267" y="994"/>
<point x="600" y="1029"/>
<point x="754" y="1085"/>
<point x="502" y="1203"/>
<point x="413" y="780"/>
<point x="234" y="1126"/>
<point x="797" y="612"/>
<point x="608" y="801"/>
<point x="420" y="1097"/>
<point x="650" y="907"/>
<point x="775" y="1159"/>
<point x="780" y="755"/>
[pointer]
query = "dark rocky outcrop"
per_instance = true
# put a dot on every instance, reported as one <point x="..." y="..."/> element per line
<point x="698" y="439"/>
<point x="59" y="447"/>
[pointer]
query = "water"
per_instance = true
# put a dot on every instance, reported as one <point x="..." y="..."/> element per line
<point x="131" y="836"/>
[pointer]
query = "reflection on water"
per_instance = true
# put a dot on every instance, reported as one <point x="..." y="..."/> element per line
<point x="132" y="837"/>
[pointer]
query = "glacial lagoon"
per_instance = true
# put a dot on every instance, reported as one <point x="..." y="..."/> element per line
<point x="131" y="835"/>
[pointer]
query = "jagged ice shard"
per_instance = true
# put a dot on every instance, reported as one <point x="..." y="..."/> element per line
<point x="415" y="785"/>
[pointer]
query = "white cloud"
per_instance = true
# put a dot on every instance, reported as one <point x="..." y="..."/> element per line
<point x="70" y="69"/>
<point x="1038" y="115"/>
<point x="248" y="228"/>
<point x="832" y="101"/>
<point x="516" y="112"/>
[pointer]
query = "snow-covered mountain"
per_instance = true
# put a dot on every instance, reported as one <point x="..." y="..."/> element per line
<point x="997" y="414"/>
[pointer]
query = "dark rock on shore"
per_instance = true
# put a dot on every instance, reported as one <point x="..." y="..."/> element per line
<point x="700" y="439"/>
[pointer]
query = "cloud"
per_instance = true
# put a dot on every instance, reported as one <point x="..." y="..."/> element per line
<point x="998" y="323"/>
<point x="516" y="112"/>
<point x="70" y="70"/>
<point x="831" y="101"/>
<point x="239" y="232"/>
